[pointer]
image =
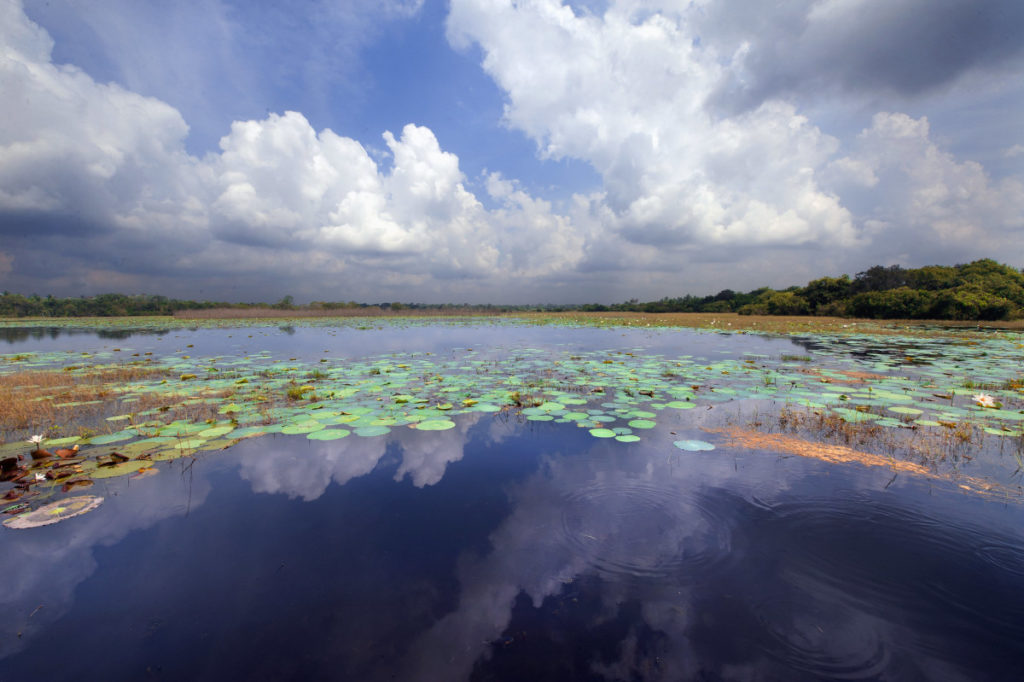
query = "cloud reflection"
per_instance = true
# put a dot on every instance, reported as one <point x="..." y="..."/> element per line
<point x="305" y="469"/>
<point x="43" y="567"/>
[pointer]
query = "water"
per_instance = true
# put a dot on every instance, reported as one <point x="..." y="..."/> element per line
<point x="506" y="549"/>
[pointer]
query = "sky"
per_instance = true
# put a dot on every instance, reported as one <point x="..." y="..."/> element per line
<point x="502" y="151"/>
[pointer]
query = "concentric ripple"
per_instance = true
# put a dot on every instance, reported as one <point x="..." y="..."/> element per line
<point x="822" y="641"/>
<point x="637" y="530"/>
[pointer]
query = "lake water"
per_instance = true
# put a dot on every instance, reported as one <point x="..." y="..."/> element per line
<point x="509" y="548"/>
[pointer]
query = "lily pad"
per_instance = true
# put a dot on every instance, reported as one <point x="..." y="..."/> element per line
<point x="693" y="445"/>
<point x="435" y="425"/>
<point x="55" y="512"/>
<point x="328" y="434"/>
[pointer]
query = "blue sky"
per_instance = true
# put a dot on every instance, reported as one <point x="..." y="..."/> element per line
<point x="490" y="150"/>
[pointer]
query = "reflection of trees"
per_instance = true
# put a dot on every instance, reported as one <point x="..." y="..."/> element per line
<point x="14" y="335"/>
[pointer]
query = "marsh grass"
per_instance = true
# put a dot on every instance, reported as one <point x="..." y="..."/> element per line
<point x="277" y="313"/>
<point x="75" y="401"/>
<point x="955" y="442"/>
<point x="797" y="444"/>
<point x="784" y="324"/>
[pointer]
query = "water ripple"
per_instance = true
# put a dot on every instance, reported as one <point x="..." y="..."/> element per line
<point x="639" y="530"/>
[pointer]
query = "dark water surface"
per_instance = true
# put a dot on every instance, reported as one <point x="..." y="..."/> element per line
<point x="505" y="549"/>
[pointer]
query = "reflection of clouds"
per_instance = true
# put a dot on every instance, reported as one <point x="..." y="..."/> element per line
<point x="533" y="552"/>
<point x="729" y="583"/>
<point x="304" y="469"/>
<point x="426" y="454"/>
<point x="42" y="567"/>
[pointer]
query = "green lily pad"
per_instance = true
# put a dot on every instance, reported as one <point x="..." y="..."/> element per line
<point x="129" y="467"/>
<point x="372" y="431"/>
<point x="328" y="434"/>
<point x="55" y="512"/>
<point x="693" y="445"/>
<point x="435" y="425"/>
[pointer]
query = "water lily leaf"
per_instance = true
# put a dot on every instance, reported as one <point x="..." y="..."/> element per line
<point x="602" y="433"/>
<point x="372" y="431"/>
<point x="328" y="434"/>
<point x="435" y="425"/>
<point x="189" y="443"/>
<point x="216" y="431"/>
<point x="302" y="427"/>
<point x="55" y="512"/>
<point x="112" y="438"/>
<point x="693" y="445"/>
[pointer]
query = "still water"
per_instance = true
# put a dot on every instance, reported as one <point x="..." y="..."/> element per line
<point x="507" y="549"/>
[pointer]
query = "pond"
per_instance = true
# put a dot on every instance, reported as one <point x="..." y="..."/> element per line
<point x="460" y="500"/>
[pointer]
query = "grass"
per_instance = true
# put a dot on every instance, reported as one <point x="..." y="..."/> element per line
<point x="76" y="401"/>
<point x="770" y="323"/>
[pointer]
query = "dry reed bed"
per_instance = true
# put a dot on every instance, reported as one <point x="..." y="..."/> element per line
<point x="62" y="402"/>
<point x="774" y="323"/>
<point x="751" y="438"/>
<point x="276" y="313"/>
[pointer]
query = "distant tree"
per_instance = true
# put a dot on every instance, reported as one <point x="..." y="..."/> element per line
<point x="827" y="290"/>
<point x="879" y="278"/>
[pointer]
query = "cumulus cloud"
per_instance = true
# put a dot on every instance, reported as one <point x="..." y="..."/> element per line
<point x="903" y="47"/>
<point x="687" y="112"/>
<point x="626" y="92"/>
<point x="925" y="196"/>
<point x="81" y="159"/>
<point x="639" y="90"/>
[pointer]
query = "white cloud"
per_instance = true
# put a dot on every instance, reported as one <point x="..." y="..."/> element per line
<point x="626" y="92"/>
<point x="103" y="177"/>
<point x="279" y="198"/>
<point x="934" y="199"/>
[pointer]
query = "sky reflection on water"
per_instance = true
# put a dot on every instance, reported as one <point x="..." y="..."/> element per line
<point x="517" y="551"/>
<point x="506" y="549"/>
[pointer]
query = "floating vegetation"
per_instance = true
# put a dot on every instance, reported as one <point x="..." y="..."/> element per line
<point x="106" y="414"/>
<point x="55" y="512"/>
<point x="841" y="454"/>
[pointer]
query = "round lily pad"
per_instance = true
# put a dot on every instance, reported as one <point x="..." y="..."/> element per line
<point x="302" y="427"/>
<point x="905" y="410"/>
<point x="693" y="445"/>
<point x="642" y="424"/>
<point x="216" y="431"/>
<point x="328" y="434"/>
<point x="371" y="431"/>
<point x="129" y="467"/>
<point x="435" y="425"/>
<point x="55" y="512"/>
<point x="602" y="433"/>
<point x="111" y="438"/>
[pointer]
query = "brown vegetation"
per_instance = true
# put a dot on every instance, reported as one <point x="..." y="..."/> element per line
<point x="42" y="401"/>
<point x="278" y="313"/>
<point x="767" y="323"/>
<point x="841" y="454"/>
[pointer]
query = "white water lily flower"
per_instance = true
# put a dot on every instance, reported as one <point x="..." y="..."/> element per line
<point x="40" y="477"/>
<point x="36" y="440"/>
<point x="984" y="400"/>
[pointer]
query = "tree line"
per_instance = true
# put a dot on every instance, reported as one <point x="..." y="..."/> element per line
<point x="980" y="290"/>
